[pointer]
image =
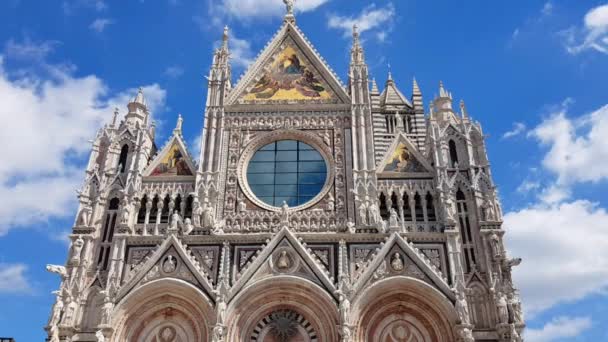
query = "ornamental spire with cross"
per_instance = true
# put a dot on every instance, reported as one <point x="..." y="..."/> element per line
<point x="289" y="4"/>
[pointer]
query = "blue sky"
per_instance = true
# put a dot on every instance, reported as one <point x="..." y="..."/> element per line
<point x="532" y="72"/>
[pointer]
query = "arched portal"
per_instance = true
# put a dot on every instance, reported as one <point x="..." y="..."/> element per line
<point x="165" y="310"/>
<point x="283" y="308"/>
<point x="400" y="309"/>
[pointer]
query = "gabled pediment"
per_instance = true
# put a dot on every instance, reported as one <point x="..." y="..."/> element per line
<point x="399" y="258"/>
<point x="170" y="260"/>
<point x="288" y="71"/>
<point x="284" y="255"/>
<point x="402" y="159"/>
<point x="172" y="161"/>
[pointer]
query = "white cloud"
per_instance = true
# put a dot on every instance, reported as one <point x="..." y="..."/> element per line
<point x="370" y="18"/>
<point x="13" y="280"/>
<point x="51" y="118"/>
<point x="527" y="186"/>
<point x="547" y="8"/>
<point x="592" y="35"/>
<point x="241" y="54"/>
<point x="561" y="246"/>
<point x="578" y="148"/>
<point x="174" y="71"/>
<point x="100" y="24"/>
<point x="69" y="6"/>
<point x="559" y="328"/>
<point x="518" y="128"/>
<point x="559" y="238"/>
<point x="28" y="49"/>
<point x="264" y="8"/>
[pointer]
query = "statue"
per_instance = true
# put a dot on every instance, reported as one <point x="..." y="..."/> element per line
<point x="495" y="245"/>
<point x="397" y="262"/>
<point x="70" y="311"/>
<point x="466" y="335"/>
<point x="218" y="333"/>
<point x="242" y="206"/>
<point x="99" y="336"/>
<point x="208" y="216"/>
<point x="283" y="262"/>
<point x="53" y="334"/>
<point x="503" y="311"/>
<point x="331" y="204"/>
<point x="344" y="309"/>
<point x="462" y="309"/>
<point x="126" y="212"/>
<point x="84" y="216"/>
<point x="57" y="310"/>
<point x="350" y="227"/>
<point x="169" y="265"/>
<point x="289" y="6"/>
<point x="187" y="227"/>
<point x="362" y="214"/>
<point x="392" y="220"/>
<point x="221" y="309"/>
<point x="176" y="220"/>
<point x="108" y="307"/>
<point x="345" y="333"/>
<point x="76" y="251"/>
<point x="516" y="311"/>
<point x="197" y="212"/>
<point x="284" y="214"/>
<point x="374" y="214"/>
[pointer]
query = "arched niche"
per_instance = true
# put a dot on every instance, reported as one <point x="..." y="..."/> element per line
<point x="167" y="309"/>
<point x="403" y="309"/>
<point x="312" y="310"/>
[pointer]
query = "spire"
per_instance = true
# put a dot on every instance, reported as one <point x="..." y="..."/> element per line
<point x="463" y="110"/>
<point x="115" y="117"/>
<point x="389" y="78"/>
<point x="178" y="125"/>
<point x="138" y="110"/>
<point x="356" y="51"/>
<point x="139" y="98"/>
<point x="375" y="87"/>
<point x="416" y="89"/>
<point x="442" y="92"/>
<point x="289" y="16"/>
<point x="225" y="38"/>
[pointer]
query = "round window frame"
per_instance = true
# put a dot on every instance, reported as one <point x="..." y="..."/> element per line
<point x="268" y="138"/>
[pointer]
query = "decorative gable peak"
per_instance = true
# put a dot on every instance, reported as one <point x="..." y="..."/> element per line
<point x="391" y="96"/>
<point x="403" y="159"/>
<point x="288" y="71"/>
<point x="173" y="160"/>
<point x="398" y="257"/>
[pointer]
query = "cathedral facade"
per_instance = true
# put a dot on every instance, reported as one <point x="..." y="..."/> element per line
<point x="318" y="212"/>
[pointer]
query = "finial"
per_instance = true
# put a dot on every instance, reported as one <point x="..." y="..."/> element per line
<point x="416" y="88"/>
<point x="355" y="32"/>
<point x="289" y="4"/>
<point x="115" y="117"/>
<point x="390" y="74"/>
<point x="225" y="36"/>
<point x="178" y="125"/>
<point x="139" y="98"/>
<point x="463" y="109"/>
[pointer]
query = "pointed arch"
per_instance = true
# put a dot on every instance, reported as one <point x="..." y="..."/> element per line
<point x="122" y="160"/>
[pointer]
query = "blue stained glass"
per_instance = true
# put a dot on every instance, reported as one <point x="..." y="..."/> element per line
<point x="286" y="170"/>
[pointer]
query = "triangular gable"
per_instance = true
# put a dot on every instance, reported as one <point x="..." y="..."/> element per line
<point x="392" y="96"/>
<point x="288" y="71"/>
<point x="403" y="159"/>
<point x="398" y="258"/>
<point x="172" y="161"/>
<point x="284" y="254"/>
<point x="172" y="260"/>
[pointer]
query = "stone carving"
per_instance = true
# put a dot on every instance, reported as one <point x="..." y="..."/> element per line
<point x="462" y="308"/>
<point x="176" y="221"/>
<point x="187" y="227"/>
<point x="397" y="262"/>
<point x="350" y="227"/>
<point x="501" y="305"/>
<point x="99" y="336"/>
<point x="60" y="270"/>
<point x="57" y="310"/>
<point x="197" y="212"/>
<point x="362" y="214"/>
<point x="283" y="263"/>
<point x="393" y="221"/>
<point x="169" y="264"/>
<point x="242" y="206"/>
<point x="218" y="333"/>
<point x="344" y="309"/>
<point x="76" y="251"/>
<point x="84" y="217"/>
<point x="284" y="214"/>
<point x="494" y="246"/>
